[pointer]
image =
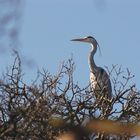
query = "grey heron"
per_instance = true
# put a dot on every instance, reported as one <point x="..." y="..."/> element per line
<point x="99" y="79"/>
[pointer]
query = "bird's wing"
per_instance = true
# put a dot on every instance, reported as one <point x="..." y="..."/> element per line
<point x="103" y="81"/>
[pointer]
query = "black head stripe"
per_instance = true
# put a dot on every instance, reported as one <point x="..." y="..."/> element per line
<point x="92" y="38"/>
<point x="89" y="37"/>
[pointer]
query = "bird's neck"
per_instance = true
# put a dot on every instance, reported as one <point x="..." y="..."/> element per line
<point x="91" y="62"/>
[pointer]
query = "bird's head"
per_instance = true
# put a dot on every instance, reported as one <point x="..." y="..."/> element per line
<point x="88" y="39"/>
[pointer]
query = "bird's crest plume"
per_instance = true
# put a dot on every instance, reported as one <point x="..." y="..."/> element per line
<point x="97" y="44"/>
<point x="99" y="49"/>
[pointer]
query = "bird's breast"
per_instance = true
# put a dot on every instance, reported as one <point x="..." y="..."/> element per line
<point x="93" y="80"/>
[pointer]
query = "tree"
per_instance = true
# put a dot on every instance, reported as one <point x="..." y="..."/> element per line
<point x="54" y="106"/>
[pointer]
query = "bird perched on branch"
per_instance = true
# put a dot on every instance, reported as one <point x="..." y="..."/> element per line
<point x="99" y="79"/>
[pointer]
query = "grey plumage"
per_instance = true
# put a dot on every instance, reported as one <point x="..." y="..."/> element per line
<point x="99" y="79"/>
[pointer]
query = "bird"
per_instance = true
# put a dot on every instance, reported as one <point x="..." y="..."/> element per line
<point x="100" y="82"/>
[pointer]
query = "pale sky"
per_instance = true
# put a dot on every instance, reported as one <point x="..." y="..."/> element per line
<point x="48" y="26"/>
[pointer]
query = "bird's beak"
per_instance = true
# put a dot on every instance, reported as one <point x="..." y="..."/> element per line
<point x="79" y="39"/>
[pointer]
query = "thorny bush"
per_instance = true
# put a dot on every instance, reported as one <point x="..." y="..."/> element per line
<point x="53" y="105"/>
